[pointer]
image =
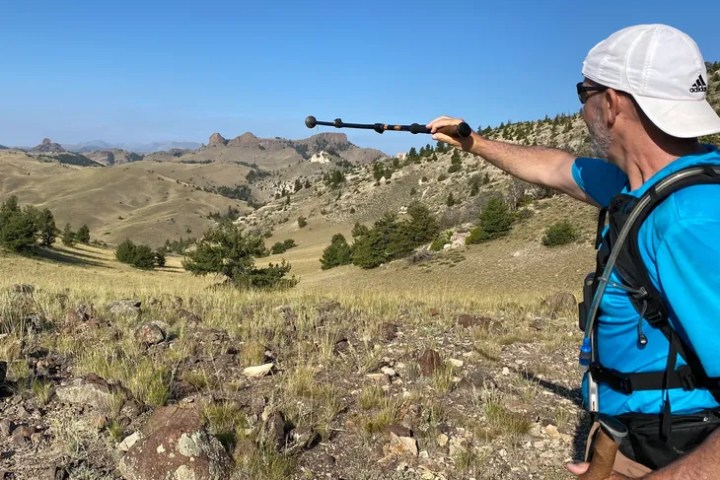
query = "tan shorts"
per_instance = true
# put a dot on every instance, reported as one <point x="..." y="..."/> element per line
<point x="623" y="464"/>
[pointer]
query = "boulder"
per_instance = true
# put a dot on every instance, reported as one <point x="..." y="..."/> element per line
<point x="175" y="446"/>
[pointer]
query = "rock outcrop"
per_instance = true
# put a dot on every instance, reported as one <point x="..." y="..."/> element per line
<point x="217" y="140"/>
<point x="48" y="146"/>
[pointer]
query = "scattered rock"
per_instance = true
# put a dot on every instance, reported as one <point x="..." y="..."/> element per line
<point x="456" y="363"/>
<point x="560" y="301"/>
<point x="429" y="362"/>
<point x="175" y="445"/>
<point x="191" y="319"/>
<point x="150" y="334"/>
<point x="129" y="441"/>
<point x="341" y="346"/>
<point x="6" y="427"/>
<point x="388" y="331"/>
<point x="537" y="324"/>
<point x="379" y="378"/>
<point x="474" y="321"/>
<point x="125" y="308"/>
<point x="478" y="379"/>
<point x="400" y="445"/>
<point x="87" y="390"/>
<point x="21" y="435"/>
<point x="259" y="370"/>
<point x="274" y="431"/>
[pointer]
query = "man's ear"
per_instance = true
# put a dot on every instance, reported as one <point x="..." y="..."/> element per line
<point x="612" y="101"/>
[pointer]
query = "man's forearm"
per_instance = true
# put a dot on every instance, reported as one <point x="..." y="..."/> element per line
<point x="548" y="167"/>
<point x="703" y="463"/>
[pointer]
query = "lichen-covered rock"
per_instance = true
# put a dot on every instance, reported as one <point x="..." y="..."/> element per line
<point x="175" y="446"/>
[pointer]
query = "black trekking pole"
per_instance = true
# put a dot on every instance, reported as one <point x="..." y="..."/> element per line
<point x="460" y="130"/>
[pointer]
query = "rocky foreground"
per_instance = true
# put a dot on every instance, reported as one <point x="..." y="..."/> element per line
<point x="217" y="387"/>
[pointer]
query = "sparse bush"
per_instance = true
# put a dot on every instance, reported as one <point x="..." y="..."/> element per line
<point x="301" y="221"/>
<point x="560" y="233"/>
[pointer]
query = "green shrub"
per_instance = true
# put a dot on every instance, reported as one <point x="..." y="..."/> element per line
<point x="441" y="240"/>
<point x="139" y="256"/>
<point x="282" y="247"/>
<point x="560" y="233"/>
<point x="477" y="235"/>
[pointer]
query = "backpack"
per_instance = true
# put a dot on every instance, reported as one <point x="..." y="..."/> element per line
<point x="619" y="248"/>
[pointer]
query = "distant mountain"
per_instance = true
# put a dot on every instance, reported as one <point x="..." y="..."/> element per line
<point x="90" y="146"/>
<point x="273" y="153"/>
<point x="101" y="145"/>
<point x="3" y="147"/>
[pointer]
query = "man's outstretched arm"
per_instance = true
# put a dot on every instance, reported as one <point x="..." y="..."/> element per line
<point x="547" y="167"/>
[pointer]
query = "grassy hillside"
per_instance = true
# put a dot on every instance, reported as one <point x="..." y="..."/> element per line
<point x="128" y="201"/>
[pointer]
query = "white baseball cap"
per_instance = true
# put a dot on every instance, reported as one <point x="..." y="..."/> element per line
<point x="664" y="71"/>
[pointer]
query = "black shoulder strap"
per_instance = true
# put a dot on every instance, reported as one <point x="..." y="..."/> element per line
<point x="646" y="299"/>
<point x="630" y="265"/>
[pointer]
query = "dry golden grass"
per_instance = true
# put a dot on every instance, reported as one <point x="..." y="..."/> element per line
<point x="136" y="201"/>
<point x="504" y="279"/>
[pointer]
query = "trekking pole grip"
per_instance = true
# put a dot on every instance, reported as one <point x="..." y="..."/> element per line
<point x="605" y="446"/>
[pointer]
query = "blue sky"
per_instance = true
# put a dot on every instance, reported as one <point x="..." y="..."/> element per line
<point x="141" y="71"/>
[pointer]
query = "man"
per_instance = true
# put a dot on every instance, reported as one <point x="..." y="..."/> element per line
<point x="644" y="102"/>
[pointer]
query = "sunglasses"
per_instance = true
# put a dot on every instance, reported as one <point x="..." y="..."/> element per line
<point x="582" y="91"/>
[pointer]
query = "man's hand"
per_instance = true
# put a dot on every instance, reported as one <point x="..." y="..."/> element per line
<point x="580" y="468"/>
<point x="460" y="142"/>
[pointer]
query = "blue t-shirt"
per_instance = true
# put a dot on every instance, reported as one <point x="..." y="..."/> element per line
<point x="680" y="245"/>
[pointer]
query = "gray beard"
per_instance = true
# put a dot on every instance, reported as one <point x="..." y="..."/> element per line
<point x="600" y="139"/>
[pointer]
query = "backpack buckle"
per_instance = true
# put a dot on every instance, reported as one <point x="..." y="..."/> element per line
<point x="624" y="385"/>
<point x="687" y="379"/>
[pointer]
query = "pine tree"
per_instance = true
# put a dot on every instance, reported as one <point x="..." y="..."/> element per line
<point x="83" y="235"/>
<point x="47" y="231"/>
<point x="17" y="228"/>
<point x="496" y="219"/>
<point x="68" y="236"/>
<point x="228" y="251"/>
<point x="338" y="253"/>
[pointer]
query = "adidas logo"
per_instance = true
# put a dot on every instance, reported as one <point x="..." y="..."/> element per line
<point x="699" y="85"/>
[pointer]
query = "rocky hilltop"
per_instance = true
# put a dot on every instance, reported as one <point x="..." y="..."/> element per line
<point x="48" y="146"/>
